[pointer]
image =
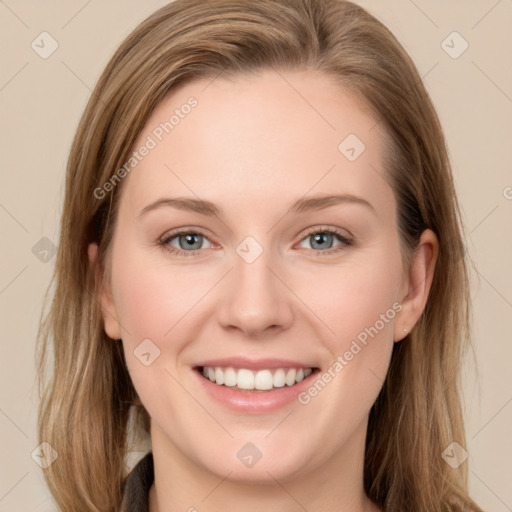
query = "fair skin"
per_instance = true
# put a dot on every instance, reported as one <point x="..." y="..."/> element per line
<point x="253" y="146"/>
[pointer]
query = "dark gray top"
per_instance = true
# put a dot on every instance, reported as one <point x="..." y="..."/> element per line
<point x="137" y="486"/>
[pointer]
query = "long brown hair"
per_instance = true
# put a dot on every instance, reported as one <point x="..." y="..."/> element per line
<point x="87" y="394"/>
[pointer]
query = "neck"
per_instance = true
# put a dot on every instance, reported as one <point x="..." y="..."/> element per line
<point x="335" y="485"/>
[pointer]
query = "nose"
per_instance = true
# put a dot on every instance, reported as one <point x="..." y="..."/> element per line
<point x="254" y="300"/>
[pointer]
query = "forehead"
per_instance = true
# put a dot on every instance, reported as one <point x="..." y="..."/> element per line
<point x="268" y="137"/>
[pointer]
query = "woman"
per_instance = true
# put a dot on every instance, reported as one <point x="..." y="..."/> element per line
<point x="260" y="259"/>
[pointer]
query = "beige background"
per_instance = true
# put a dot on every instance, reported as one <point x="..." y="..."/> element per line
<point x="41" y="101"/>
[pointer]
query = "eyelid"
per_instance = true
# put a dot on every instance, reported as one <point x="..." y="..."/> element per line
<point x="344" y="234"/>
<point x="184" y="231"/>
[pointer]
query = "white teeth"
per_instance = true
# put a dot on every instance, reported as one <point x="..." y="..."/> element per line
<point x="279" y="378"/>
<point x="262" y="380"/>
<point x="245" y="379"/>
<point x="290" y="377"/>
<point x="219" y="376"/>
<point x="230" y="377"/>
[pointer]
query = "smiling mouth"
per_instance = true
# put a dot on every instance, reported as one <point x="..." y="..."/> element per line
<point x="252" y="381"/>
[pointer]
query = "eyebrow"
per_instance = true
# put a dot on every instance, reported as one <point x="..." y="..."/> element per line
<point x="302" y="205"/>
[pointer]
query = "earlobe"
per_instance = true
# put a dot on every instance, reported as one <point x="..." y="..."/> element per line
<point x="419" y="282"/>
<point x="108" y="310"/>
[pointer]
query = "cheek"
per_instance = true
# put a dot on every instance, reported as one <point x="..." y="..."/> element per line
<point x="154" y="305"/>
<point x="143" y="305"/>
<point x="152" y="299"/>
<point x="160" y="303"/>
<point x="353" y="297"/>
<point x="358" y="303"/>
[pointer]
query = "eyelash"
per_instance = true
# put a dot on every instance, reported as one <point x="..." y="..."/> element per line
<point x="345" y="241"/>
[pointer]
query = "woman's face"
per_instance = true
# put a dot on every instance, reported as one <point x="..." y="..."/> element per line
<point x="288" y="258"/>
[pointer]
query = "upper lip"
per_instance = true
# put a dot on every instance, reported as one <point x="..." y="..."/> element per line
<point x="253" y="364"/>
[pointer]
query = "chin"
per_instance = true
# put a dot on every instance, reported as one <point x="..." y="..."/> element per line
<point x="270" y="467"/>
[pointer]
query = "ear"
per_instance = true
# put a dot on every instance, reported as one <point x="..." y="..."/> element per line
<point x="417" y="284"/>
<point x="108" y="309"/>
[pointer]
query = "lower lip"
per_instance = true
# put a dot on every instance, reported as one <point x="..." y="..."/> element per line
<point x="255" y="402"/>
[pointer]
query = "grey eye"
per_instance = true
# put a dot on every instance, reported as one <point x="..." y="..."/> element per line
<point x="190" y="241"/>
<point x="321" y="240"/>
